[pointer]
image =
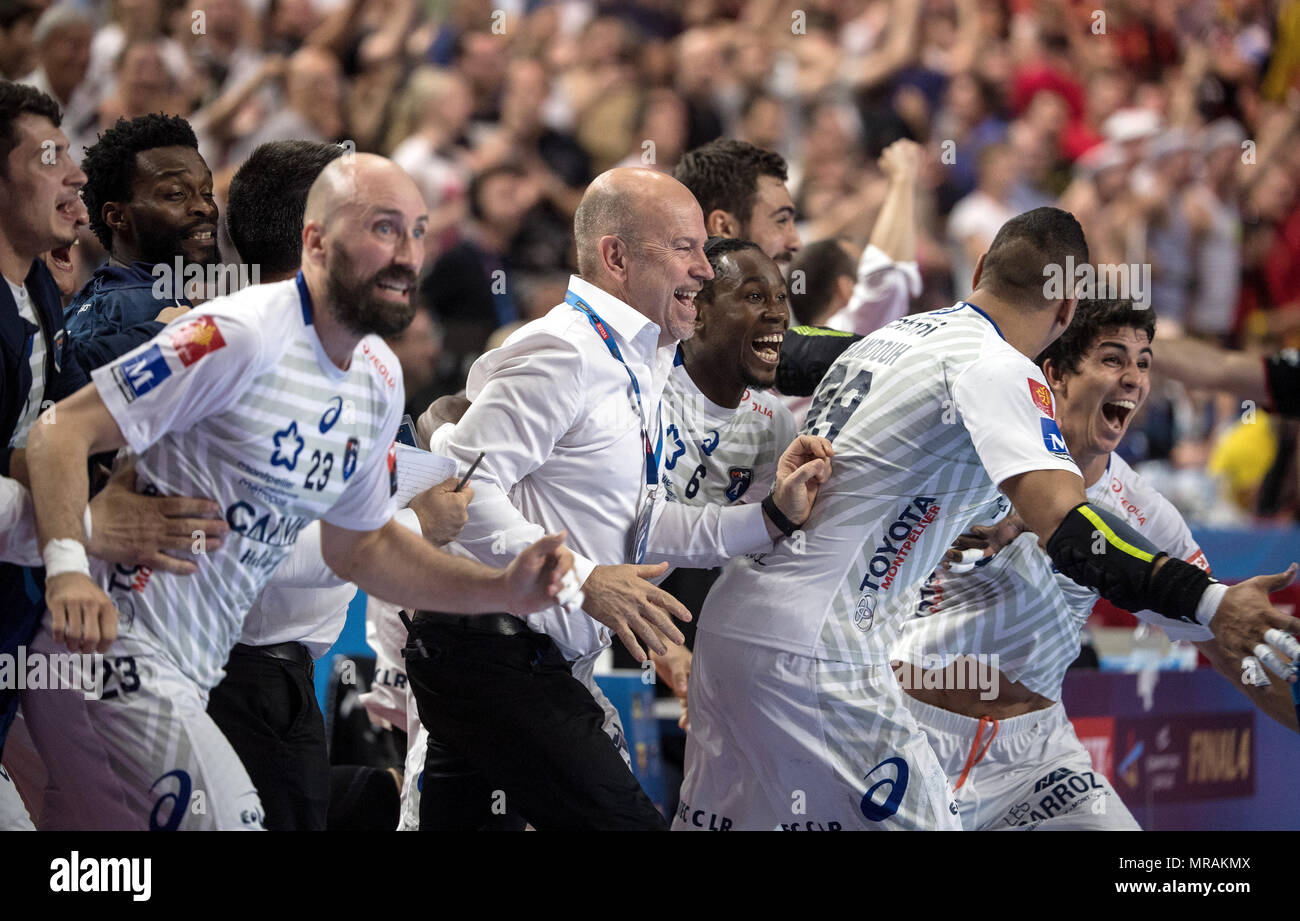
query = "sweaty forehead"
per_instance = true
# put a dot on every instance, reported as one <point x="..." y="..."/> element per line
<point x="1136" y="339"/>
<point x="154" y="164"/>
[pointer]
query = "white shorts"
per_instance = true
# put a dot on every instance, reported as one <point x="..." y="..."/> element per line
<point x="1032" y="773"/>
<point x="780" y="741"/>
<point x="145" y="756"/>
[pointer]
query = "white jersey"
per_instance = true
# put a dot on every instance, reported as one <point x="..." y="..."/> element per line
<point x="926" y="416"/>
<point x="714" y="455"/>
<point x="1016" y="606"/>
<point x="238" y="402"/>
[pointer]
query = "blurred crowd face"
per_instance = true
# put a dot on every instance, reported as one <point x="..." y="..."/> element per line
<point x="771" y="222"/>
<point x="1098" y="403"/>
<point x="503" y="200"/>
<point x="17" y="57"/>
<point x="314" y="86"/>
<point x="171" y="212"/>
<point x="39" y="201"/>
<point x="527" y="87"/>
<point x="417" y="350"/>
<point x="143" y="82"/>
<point x="65" y="57"/>
<point x="483" y="63"/>
<point x="745" y="319"/>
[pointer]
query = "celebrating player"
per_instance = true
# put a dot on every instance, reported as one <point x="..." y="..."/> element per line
<point x="241" y="401"/>
<point x="1014" y="759"/>
<point x="929" y="417"/>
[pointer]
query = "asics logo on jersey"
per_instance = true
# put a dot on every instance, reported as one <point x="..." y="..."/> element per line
<point x="331" y="415"/>
<point x="710" y="443"/>
<point x="288" y="445"/>
<point x="897" y="542"/>
<point x="895" y="787"/>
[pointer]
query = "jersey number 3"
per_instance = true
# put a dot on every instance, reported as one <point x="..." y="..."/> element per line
<point x="844" y="399"/>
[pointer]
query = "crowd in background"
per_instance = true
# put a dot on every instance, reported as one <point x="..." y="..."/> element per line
<point x="1169" y="129"/>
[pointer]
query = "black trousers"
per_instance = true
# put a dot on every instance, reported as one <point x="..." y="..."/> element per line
<point x="266" y="706"/>
<point x="513" y="733"/>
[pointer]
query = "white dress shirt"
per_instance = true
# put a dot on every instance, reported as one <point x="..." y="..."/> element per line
<point x="555" y="412"/>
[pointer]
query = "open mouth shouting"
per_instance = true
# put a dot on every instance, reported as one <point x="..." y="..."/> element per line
<point x="768" y="348"/>
<point x="1116" y="414"/>
<point x="686" y="297"/>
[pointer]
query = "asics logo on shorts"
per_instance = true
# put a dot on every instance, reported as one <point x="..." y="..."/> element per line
<point x="875" y="810"/>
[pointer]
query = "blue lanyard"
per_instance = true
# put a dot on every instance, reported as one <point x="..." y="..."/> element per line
<point x="652" y="455"/>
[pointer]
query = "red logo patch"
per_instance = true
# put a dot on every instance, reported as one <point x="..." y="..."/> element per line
<point x="1042" y="397"/>
<point x="197" y="338"/>
<point x="392" y="469"/>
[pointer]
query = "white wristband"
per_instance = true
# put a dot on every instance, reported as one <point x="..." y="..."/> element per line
<point x="1208" y="606"/>
<point x="65" y="555"/>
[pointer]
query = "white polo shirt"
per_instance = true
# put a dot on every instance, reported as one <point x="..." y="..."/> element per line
<point x="555" y="412"/>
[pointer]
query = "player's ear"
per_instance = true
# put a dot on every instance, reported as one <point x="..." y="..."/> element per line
<point x="1052" y="372"/>
<point x="313" y="242"/>
<point x="979" y="270"/>
<point x="1065" y="313"/>
<point x="114" y="215"/>
<point x="721" y="223"/>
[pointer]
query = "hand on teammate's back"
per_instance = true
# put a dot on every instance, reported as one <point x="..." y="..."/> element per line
<point x="1245" y="616"/>
<point x="803" y="467"/>
<point x="442" y="511"/>
<point x="82" y="616"/>
<point x="135" y="530"/>
<point x="621" y="598"/>
<point x="988" y="538"/>
<point x="533" y="578"/>
<point x="167" y="314"/>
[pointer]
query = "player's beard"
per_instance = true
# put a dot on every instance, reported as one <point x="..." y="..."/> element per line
<point x="352" y="300"/>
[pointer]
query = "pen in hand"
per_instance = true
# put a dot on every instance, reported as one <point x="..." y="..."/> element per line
<point x="469" y="472"/>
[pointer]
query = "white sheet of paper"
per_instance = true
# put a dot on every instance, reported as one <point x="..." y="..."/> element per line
<point x="418" y="470"/>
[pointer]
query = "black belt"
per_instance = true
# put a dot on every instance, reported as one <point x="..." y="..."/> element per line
<point x="286" y="652"/>
<point x="499" y="624"/>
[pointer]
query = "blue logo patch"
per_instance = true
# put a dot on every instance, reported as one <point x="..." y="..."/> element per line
<point x="1053" y="440"/>
<point x="350" y="458"/>
<point x="288" y="444"/>
<point x="740" y="478"/>
<point x="137" y="376"/>
<point x="709" y="444"/>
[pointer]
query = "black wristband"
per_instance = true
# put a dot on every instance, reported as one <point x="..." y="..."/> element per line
<point x="777" y="517"/>
<point x="1176" y="588"/>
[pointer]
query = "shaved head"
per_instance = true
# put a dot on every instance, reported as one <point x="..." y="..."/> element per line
<point x="640" y="237"/>
<point x="362" y="242"/>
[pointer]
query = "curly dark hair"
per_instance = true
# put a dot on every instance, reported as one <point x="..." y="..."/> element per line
<point x="1092" y="318"/>
<point x="18" y="99"/>
<point x="723" y="175"/>
<point x="110" y="162"/>
<point x="267" y="199"/>
<point x="715" y="248"/>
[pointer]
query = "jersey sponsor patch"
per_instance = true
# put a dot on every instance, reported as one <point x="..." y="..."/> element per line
<point x="350" y="458"/>
<point x="1053" y="440"/>
<point x="1041" y="394"/>
<point x="739" y="479"/>
<point x="392" y="469"/>
<point x="137" y="376"/>
<point x="197" y="338"/>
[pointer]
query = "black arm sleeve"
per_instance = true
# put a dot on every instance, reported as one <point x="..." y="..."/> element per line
<point x="806" y="354"/>
<point x="1282" y="374"/>
<point x="1099" y="550"/>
